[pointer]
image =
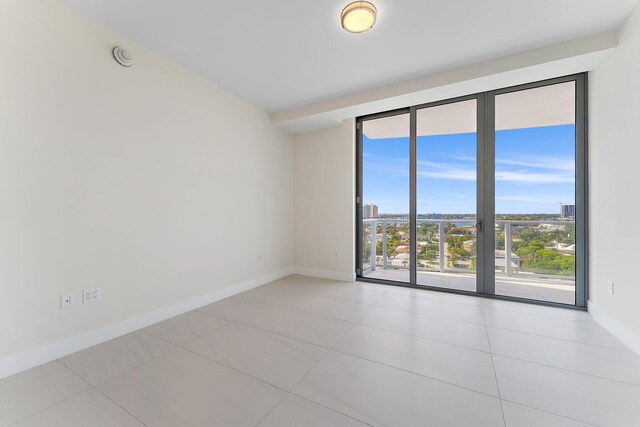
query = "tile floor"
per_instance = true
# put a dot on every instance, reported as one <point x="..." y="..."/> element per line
<point x="312" y="352"/>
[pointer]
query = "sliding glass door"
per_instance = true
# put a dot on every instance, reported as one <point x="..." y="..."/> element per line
<point x="483" y="194"/>
<point x="384" y="236"/>
<point x="535" y="189"/>
<point x="446" y="194"/>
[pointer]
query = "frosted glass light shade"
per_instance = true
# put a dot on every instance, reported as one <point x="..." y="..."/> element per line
<point x="358" y="16"/>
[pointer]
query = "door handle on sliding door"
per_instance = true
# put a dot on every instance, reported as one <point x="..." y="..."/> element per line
<point x="480" y="225"/>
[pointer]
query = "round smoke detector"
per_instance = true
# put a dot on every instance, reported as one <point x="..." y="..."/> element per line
<point x="123" y="56"/>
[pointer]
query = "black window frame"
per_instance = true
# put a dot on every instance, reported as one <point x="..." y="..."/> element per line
<point x="486" y="190"/>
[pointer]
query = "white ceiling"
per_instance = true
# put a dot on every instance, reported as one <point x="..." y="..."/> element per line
<point x="282" y="54"/>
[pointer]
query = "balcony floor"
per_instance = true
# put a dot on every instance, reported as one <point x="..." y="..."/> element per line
<point x="551" y="290"/>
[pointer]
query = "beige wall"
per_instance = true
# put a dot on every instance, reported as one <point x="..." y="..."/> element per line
<point x="324" y="202"/>
<point x="147" y="182"/>
<point x="614" y="199"/>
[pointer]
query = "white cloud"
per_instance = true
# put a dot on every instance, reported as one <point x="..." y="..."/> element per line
<point x="534" y="178"/>
<point x="555" y="163"/>
<point x="561" y="172"/>
<point x="528" y="199"/>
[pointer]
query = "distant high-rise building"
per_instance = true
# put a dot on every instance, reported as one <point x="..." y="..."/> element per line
<point x="370" y="211"/>
<point x="568" y="211"/>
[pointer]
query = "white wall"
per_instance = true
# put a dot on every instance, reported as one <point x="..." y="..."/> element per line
<point x="148" y="182"/>
<point x="614" y="198"/>
<point x="324" y="202"/>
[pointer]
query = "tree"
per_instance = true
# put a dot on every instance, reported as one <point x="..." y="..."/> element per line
<point x="500" y="240"/>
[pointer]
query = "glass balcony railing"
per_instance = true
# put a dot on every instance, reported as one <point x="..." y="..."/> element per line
<point x="534" y="259"/>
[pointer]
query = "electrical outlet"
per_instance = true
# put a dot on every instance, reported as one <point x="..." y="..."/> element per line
<point x="66" y="301"/>
<point x="610" y="287"/>
<point x="337" y="254"/>
<point x="90" y="295"/>
<point x="260" y="258"/>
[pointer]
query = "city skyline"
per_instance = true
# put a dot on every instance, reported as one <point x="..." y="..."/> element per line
<point x="535" y="172"/>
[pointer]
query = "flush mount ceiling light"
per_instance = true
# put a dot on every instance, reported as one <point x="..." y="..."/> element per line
<point x="358" y="16"/>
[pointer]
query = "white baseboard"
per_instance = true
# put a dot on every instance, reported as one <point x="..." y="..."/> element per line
<point x="615" y="328"/>
<point x="325" y="274"/>
<point x="29" y="359"/>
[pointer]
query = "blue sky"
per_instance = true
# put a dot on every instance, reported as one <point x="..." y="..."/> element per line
<point x="535" y="172"/>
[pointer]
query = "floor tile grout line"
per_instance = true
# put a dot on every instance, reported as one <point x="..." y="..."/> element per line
<point x="377" y="302"/>
<point x="350" y="328"/>
<point x="589" y="323"/>
<point x="312" y="367"/>
<point x="441" y="301"/>
<point x="266" y="331"/>
<point x="164" y="339"/>
<point x="65" y="367"/>
<point x="190" y="341"/>
<point x="198" y="311"/>
<point x="132" y="368"/>
<point x="421" y="314"/>
<point x="549" y="412"/>
<point x="279" y="334"/>
<point x="415" y="373"/>
<point x="234" y="369"/>
<point x="328" y="408"/>
<point x="425" y="339"/>
<point x="295" y="310"/>
<point x="55" y="404"/>
<point x="568" y="370"/>
<point x="562" y="339"/>
<point x="359" y="322"/>
<point x="495" y="372"/>
<point x="300" y="310"/>
<point x="402" y="369"/>
<point x="72" y="371"/>
<point x="431" y="316"/>
<point x="420" y="338"/>
<point x="333" y="298"/>
<point x="298" y="382"/>
<point x="285" y="392"/>
<point x="335" y="410"/>
<point x="119" y="406"/>
<point x="90" y="387"/>
<point x="546" y="316"/>
<point x="588" y="320"/>
<point x="307" y="293"/>
<point x="271" y="410"/>
<point x="329" y="349"/>
<point x="307" y="374"/>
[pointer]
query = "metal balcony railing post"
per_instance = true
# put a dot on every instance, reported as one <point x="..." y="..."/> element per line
<point x="374" y="228"/>
<point x="507" y="249"/>
<point x="384" y="245"/>
<point x="441" y="243"/>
